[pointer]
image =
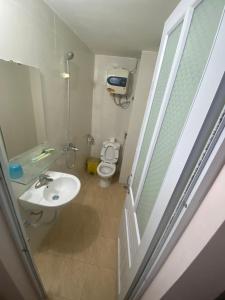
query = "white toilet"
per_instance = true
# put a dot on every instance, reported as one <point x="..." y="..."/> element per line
<point x="109" y="157"/>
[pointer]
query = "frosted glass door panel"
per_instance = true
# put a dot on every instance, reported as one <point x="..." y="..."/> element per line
<point x="157" y="101"/>
<point x="197" y="49"/>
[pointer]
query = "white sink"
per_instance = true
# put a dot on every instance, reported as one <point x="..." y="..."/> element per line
<point x="63" y="189"/>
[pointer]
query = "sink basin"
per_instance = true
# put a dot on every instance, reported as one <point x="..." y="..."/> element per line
<point x="63" y="189"/>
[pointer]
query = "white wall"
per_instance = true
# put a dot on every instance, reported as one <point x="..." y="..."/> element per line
<point x="204" y="279"/>
<point x="205" y="223"/>
<point x="108" y="120"/>
<point x="144" y="80"/>
<point x="32" y="34"/>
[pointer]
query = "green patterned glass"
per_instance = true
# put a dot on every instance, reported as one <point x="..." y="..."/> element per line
<point x="159" y="92"/>
<point x="196" y="53"/>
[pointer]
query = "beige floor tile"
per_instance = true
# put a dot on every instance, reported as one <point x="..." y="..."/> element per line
<point x="105" y="253"/>
<point x="49" y="267"/>
<point x="94" y="199"/>
<point x="76" y="230"/>
<point x="100" y="284"/>
<point x="70" y="280"/>
<point x="109" y="227"/>
<point x="53" y="297"/>
<point x="83" y="247"/>
<point x="114" y="205"/>
<point x="59" y="241"/>
<point x="79" y="255"/>
<point x="81" y="196"/>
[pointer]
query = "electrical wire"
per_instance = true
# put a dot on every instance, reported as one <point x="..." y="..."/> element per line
<point x="122" y="101"/>
<point x="135" y="68"/>
<point x="124" y="104"/>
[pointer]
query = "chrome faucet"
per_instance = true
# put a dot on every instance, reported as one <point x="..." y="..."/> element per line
<point x="43" y="180"/>
<point x="70" y="146"/>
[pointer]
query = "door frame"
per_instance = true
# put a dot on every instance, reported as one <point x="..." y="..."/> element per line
<point x="186" y="19"/>
<point x="198" y="112"/>
<point x="214" y="163"/>
<point x="200" y="106"/>
<point x="179" y="15"/>
<point x="182" y="152"/>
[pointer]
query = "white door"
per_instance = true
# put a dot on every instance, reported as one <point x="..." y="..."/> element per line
<point x="188" y="71"/>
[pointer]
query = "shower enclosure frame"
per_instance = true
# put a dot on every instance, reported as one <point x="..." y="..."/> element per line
<point x="10" y="210"/>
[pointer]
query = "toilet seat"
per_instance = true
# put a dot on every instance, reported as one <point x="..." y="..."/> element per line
<point x="106" y="169"/>
<point x="110" y="152"/>
<point x="109" y="157"/>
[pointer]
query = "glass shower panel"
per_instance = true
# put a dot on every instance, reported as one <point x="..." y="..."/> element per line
<point x="197" y="49"/>
<point x="159" y="92"/>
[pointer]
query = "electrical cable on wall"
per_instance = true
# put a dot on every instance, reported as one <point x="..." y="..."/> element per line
<point x="135" y="68"/>
<point x="119" y="101"/>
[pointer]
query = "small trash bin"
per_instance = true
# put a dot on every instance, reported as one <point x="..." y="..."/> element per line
<point x="92" y="164"/>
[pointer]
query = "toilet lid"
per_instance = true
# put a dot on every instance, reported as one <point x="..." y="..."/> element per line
<point x="110" y="152"/>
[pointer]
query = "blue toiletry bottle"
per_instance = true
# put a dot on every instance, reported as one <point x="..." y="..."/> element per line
<point x="15" y="170"/>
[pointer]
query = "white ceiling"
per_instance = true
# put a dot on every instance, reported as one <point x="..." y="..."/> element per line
<point x="116" y="27"/>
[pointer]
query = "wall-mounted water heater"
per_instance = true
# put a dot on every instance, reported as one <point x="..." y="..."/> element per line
<point x="117" y="81"/>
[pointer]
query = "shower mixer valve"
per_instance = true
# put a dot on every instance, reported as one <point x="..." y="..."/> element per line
<point x="69" y="147"/>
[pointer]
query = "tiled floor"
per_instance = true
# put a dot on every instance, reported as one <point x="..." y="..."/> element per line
<point x="78" y="258"/>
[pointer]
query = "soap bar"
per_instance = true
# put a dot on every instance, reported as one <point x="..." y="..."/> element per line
<point x="15" y="170"/>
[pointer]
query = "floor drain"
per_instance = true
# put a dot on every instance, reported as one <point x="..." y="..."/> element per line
<point x="55" y="197"/>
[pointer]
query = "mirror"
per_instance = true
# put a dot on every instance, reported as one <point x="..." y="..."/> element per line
<point x="22" y="119"/>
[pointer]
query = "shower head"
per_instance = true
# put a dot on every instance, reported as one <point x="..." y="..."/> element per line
<point x="69" y="55"/>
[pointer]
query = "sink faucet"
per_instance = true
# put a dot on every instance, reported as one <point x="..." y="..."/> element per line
<point x="43" y="180"/>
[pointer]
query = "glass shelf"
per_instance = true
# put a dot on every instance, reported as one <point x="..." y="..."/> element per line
<point x="32" y="169"/>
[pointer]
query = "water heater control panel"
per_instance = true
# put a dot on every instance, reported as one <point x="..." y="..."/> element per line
<point x="117" y="81"/>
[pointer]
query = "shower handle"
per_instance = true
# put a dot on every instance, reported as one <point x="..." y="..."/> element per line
<point x="69" y="147"/>
<point x="73" y="147"/>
